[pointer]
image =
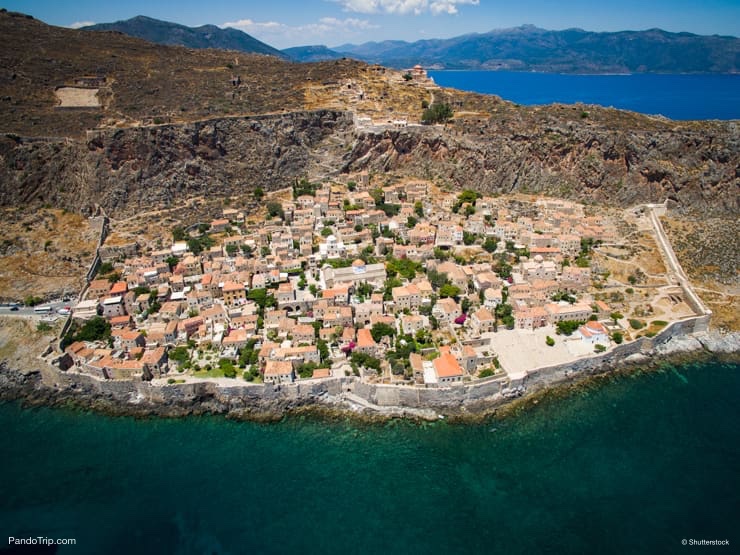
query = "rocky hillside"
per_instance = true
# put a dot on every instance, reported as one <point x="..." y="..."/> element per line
<point x="205" y="36"/>
<point x="171" y="123"/>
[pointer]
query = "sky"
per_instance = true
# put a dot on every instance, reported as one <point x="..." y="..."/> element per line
<point x="286" y="23"/>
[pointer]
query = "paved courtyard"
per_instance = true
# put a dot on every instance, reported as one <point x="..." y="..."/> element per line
<point x="523" y="350"/>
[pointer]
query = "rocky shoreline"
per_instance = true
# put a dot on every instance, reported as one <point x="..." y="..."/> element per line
<point x="48" y="386"/>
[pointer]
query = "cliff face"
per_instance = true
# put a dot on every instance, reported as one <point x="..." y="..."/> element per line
<point x="131" y="169"/>
<point x="698" y="170"/>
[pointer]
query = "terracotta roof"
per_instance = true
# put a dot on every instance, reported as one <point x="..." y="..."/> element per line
<point x="118" y="288"/>
<point x="235" y="336"/>
<point x="321" y="373"/>
<point x="278" y="368"/>
<point x="446" y="366"/>
<point x="233" y="286"/>
<point x="365" y="338"/>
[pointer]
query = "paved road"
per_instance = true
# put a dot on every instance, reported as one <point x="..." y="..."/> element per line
<point x="29" y="311"/>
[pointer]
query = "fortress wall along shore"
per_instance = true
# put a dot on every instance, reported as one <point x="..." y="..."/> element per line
<point x="243" y="399"/>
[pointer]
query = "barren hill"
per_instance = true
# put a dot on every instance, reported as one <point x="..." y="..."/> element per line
<point x="170" y="121"/>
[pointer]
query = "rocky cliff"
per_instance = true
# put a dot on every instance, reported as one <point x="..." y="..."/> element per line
<point x="698" y="170"/>
<point x="126" y="170"/>
<point x="130" y="169"/>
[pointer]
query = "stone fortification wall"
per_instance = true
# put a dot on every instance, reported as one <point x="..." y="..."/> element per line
<point x="210" y="396"/>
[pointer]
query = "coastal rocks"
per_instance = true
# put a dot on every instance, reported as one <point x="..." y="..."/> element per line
<point x="681" y="344"/>
<point x="720" y="343"/>
<point x="332" y="398"/>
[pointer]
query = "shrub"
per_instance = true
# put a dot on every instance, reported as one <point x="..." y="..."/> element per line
<point x="486" y="373"/>
<point x="599" y="348"/>
<point x="567" y="327"/>
<point x="549" y="341"/>
<point x="437" y="113"/>
<point x="636" y="324"/>
<point x="617" y="337"/>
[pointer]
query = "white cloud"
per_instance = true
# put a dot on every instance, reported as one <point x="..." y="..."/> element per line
<point x="280" y="35"/>
<point x="78" y="24"/>
<point x="403" y="7"/>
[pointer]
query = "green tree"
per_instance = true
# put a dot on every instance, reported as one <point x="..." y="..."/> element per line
<point x="326" y="231"/>
<point x="469" y="238"/>
<point x="468" y="195"/>
<point x="258" y="193"/>
<point x="195" y="246"/>
<point x="323" y="349"/>
<point x="227" y="367"/>
<point x="363" y="359"/>
<point x="275" y="209"/>
<point x="178" y="233"/>
<point x="105" y="268"/>
<point x="449" y="290"/>
<point x="419" y="209"/>
<point x="232" y="249"/>
<point x="549" y="341"/>
<point x="616" y="316"/>
<point x="380" y="330"/>
<point x="437" y="113"/>
<point x="441" y="254"/>
<point x="617" y="337"/>
<point x="567" y="327"/>
<point x="95" y="329"/>
<point x="490" y="244"/>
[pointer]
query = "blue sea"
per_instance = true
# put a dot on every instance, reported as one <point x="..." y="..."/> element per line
<point x="680" y="97"/>
<point x="634" y="464"/>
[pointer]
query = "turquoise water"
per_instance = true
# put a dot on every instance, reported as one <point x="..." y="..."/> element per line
<point x="681" y="97"/>
<point x="632" y="466"/>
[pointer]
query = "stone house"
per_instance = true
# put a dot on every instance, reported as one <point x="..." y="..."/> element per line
<point x="278" y="372"/>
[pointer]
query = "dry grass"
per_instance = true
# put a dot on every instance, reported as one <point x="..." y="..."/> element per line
<point x="20" y="343"/>
<point x="708" y="252"/>
<point x="43" y="253"/>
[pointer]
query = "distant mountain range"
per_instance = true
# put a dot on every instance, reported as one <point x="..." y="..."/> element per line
<point x="206" y="36"/>
<point x="530" y="48"/>
<point x="524" y="48"/>
<point x="315" y="53"/>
